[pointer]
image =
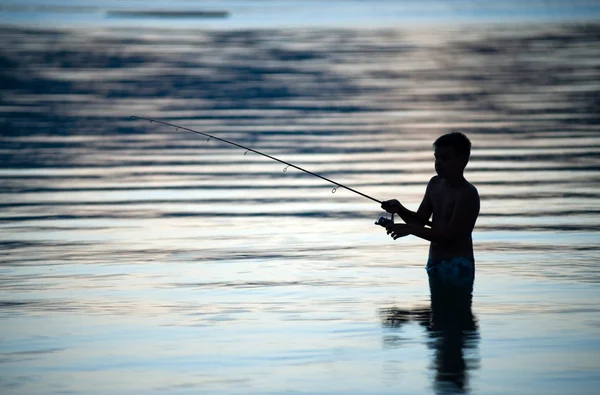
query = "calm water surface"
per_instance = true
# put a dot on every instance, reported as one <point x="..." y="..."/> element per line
<point x="140" y="259"/>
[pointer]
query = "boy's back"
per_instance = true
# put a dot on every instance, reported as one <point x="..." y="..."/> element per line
<point x="448" y="201"/>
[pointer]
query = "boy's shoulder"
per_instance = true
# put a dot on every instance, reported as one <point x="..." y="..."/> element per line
<point x="471" y="189"/>
<point x="438" y="182"/>
<point x="434" y="179"/>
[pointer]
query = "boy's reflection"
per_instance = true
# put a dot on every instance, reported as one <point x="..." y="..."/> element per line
<point x="451" y="328"/>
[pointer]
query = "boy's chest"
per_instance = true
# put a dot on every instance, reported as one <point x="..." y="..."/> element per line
<point x="443" y="201"/>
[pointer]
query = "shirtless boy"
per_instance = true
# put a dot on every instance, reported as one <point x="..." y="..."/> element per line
<point x="454" y="203"/>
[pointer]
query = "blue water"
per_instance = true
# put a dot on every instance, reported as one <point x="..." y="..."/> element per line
<point x="136" y="258"/>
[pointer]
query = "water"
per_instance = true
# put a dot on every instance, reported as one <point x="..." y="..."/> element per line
<point x="141" y="259"/>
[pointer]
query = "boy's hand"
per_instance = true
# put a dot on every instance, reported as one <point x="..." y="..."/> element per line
<point x="397" y="230"/>
<point x="392" y="206"/>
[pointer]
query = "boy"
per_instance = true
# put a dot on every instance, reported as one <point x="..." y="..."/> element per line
<point x="454" y="203"/>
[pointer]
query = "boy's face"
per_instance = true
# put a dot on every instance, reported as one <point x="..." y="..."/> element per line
<point x="447" y="163"/>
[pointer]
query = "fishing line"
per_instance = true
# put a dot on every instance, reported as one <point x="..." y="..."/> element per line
<point x="247" y="149"/>
<point x="385" y="219"/>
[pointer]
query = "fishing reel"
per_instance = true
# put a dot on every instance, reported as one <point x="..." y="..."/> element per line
<point x="385" y="219"/>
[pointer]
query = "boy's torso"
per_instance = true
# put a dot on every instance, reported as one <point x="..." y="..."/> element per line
<point x="443" y="201"/>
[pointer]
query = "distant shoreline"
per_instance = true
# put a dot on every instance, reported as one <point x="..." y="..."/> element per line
<point x="168" y="14"/>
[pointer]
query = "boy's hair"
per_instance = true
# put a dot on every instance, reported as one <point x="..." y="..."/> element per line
<point x="458" y="141"/>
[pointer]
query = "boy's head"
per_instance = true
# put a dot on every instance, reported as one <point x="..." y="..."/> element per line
<point x="452" y="153"/>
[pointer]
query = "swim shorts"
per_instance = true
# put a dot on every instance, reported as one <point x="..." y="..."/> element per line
<point x="459" y="271"/>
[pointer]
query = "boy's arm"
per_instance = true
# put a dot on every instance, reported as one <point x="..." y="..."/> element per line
<point x="461" y="224"/>
<point x="419" y="218"/>
<point x="426" y="208"/>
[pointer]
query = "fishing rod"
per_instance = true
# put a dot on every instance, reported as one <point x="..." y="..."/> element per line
<point x="288" y="164"/>
<point x="384" y="219"/>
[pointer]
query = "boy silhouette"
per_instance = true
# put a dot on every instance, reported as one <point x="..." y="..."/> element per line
<point x="454" y="204"/>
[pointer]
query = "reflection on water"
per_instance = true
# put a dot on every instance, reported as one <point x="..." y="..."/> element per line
<point x="121" y="239"/>
<point x="451" y="328"/>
